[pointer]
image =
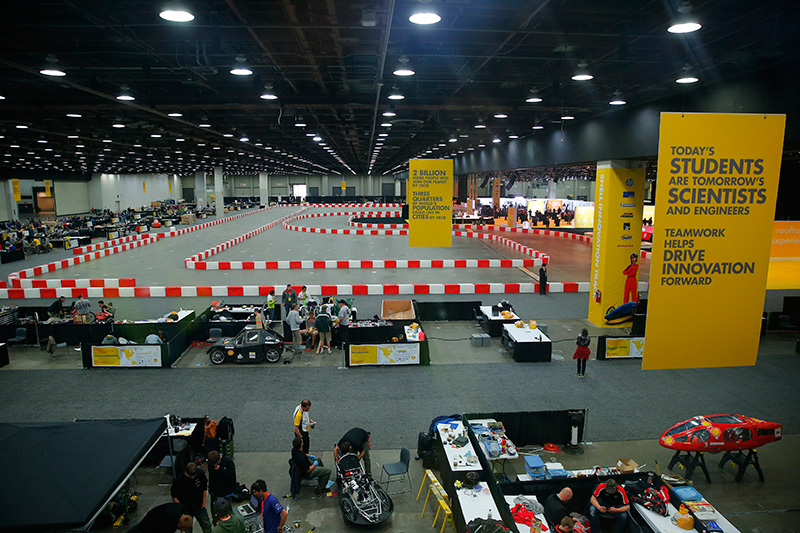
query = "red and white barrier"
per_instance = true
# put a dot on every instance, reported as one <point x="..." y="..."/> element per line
<point x="324" y="290"/>
<point x="70" y="283"/>
<point x="106" y="244"/>
<point x="374" y="264"/>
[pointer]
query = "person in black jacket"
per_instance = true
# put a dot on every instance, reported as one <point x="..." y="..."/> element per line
<point x="555" y="506"/>
<point x="543" y="279"/>
<point x="221" y="475"/>
<point x="165" y="518"/>
<point x="190" y="489"/>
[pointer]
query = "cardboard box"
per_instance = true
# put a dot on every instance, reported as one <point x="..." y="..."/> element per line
<point x="627" y="466"/>
<point x="397" y="310"/>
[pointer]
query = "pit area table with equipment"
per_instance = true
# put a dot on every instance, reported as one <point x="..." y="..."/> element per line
<point x="526" y="344"/>
<point x="494" y="322"/>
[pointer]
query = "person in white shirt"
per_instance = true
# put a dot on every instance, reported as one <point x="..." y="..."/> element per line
<point x="155" y="338"/>
<point x="344" y="323"/>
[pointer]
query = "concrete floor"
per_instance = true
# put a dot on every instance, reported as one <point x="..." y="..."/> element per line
<point x="753" y="507"/>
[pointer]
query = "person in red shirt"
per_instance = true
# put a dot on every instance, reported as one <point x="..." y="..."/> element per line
<point x="632" y="281"/>
<point x="611" y="502"/>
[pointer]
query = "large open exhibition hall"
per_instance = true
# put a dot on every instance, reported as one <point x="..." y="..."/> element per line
<point x="468" y="266"/>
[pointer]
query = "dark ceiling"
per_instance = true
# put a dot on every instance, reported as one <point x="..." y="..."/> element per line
<point x="331" y="62"/>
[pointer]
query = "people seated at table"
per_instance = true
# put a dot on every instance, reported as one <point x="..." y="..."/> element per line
<point x="609" y="501"/>
<point x="555" y="506"/>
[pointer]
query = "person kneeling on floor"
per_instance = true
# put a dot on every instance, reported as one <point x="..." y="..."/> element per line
<point x="310" y="467"/>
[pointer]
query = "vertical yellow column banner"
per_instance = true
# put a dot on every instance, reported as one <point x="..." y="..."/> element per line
<point x="617" y="238"/>
<point x="144" y="186"/>
<point x="717" y="184"/>
<point x="15" y="189"/>
<point x="497" y="183"/>
<point x="430" y="204"/>
<point x="48" y="192"/>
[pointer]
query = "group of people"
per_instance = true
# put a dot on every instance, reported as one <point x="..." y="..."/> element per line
<point x="81" y="310"/>
<point x="306" y="316"/>
<point x="608" y="501"/>
<point x="192" y="489"/>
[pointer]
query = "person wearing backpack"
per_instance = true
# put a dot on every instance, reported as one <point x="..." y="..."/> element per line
<point x="323" y="325"/>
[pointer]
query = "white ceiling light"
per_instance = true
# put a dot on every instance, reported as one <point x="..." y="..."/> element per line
<point x="687" y="75"/>
<point x="125" y="94"/>
<point x="513" y="136"/>
<point x="74" y="115"/>
<point x="537" y="126"/>
<point x="582" y="74"/>
<point x="617" y="99"/>
<point x="316" y="138"/>
<point x="396" y="94"/>
<point x="500" y="115"/>
<point x="567" y="117"/>
<point x="685" y="22"/>
<point x="389" y="114"/>
<point x="175" y="114"/>
<point x="424" y="15"/>
<point x="533" y="97"/>
<point x="386" y="124"/>
<point x="403" y="67"/>
<point x="299" y="122"/>
<point x="269" y="93"/>
<point x="118" y="125"/>
<point x="480" y="126"/>
<point x="496" y="140"/>
<point x="176" y="12"/>
<point x="240" y="69"/>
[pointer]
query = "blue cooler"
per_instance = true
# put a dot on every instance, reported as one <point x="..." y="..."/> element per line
<point x="535" y="467"/>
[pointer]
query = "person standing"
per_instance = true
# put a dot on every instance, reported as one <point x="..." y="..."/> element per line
<point x="302" y="298"/>
<point x="632" y="280"/>
<point x="288" y="298"/>
<point x="271" y="305"/>
<point x="82" y="309"/>
<point x="344" y="323"/>
<point x="582" y="352"/>
<point x="267" y="505"/>
<point x="190" y="489"/>
<point x="302" y="423"/>
<point x="323" y="324"/>
<point x="294" y="321"/>
<point x="221" y="475"/>
<point x="543" y="279"/>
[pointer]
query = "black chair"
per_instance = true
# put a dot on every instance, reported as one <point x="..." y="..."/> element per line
<point x="22" y="336"/>
<point x="398" y="469"/>
<point x="215" y="333"/>
<point x="296" y="479"/>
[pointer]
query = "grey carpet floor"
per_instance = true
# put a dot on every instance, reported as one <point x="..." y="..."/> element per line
<point x="624" y="402"/>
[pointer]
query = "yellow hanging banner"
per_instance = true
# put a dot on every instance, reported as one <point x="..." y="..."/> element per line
<point x="717" y="185"/>
<point x="144" y="186"/>
<point x="497" y="183"/>
<point x="170" y="186"/>
<point x="47" y="191"/>
<point x="430" y="204"/>
<point x="344" y="185"/>
<point x="15" y="190"/>
<point x="616" y="241"/>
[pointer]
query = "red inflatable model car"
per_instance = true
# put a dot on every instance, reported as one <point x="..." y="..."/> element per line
<point x="720" y="433"/>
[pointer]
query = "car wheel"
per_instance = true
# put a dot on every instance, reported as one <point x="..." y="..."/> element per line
<point x="348" y="510"/>
<point x="386" y="501"/>
<point x="273" y="355"/>
<point x="217" y="356"/>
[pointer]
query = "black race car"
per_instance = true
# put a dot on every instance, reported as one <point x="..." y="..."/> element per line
<point x="250" y="345"/>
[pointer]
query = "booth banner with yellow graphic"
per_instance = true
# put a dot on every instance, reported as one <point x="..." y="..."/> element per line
<point x="616" y="241"/>
<point x="715" y="202"/>
<point x="430" y="202"/>
<point x="48" y="192"/>
<point x="625" y="348"/>
<point x="384" y="354"/>
<point x="15" y="190"/>
<point x="584" y="216"/>
<point x="785" y="240"/>
<point x="129" y="355"/>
